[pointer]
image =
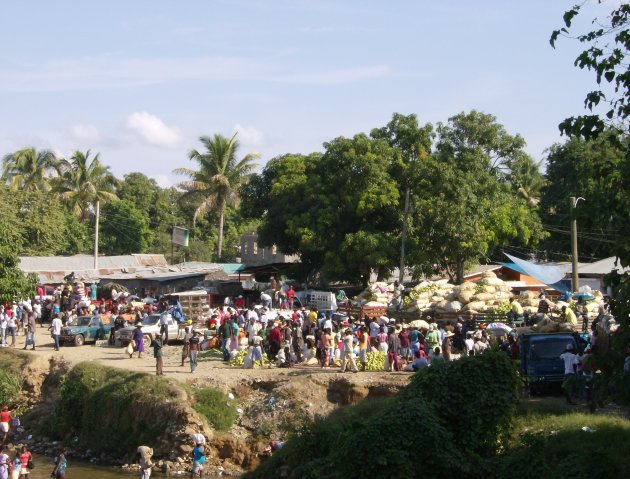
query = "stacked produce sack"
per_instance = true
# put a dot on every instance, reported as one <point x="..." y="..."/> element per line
<point x="487" y="294"/>
<point x="376" y="294"/>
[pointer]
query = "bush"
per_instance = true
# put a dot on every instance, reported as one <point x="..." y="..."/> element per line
<point x="474" y="398"/>
<point x="439" y="426"/>
<point x="552" y="443"/>
<point x="12" y="364"/>
<point x="10" y="387"/>
<point x="217" y="408"/>
<point x="111" y="410"/>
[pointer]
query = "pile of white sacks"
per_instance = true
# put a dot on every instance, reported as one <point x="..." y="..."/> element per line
<point x="487" y="294"/>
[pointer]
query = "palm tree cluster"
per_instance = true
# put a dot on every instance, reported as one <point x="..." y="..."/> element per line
<point x="82" y="180"/>
<point x="79" y="181"/>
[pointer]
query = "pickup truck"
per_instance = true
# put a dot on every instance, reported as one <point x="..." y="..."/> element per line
<point x="151" y="329"/>
<point x="540" y="356"/>
<point x="83" y="329"/>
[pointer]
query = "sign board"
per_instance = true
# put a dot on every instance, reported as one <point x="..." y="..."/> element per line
<point x="180" y="236"/>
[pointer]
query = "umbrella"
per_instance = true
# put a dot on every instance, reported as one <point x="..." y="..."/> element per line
<point x="584" y="296"/>
<point x="419" y="323"/>
<point x="499" y="326"/>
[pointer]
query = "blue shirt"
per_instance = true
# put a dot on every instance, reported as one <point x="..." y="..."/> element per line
<point x="198" y="455"/>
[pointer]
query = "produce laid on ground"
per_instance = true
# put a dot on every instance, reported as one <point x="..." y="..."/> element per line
<point x="375" y="361"/>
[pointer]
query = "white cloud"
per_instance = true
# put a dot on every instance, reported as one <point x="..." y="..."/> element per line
<point x="152" y="130"/>
<point x="249" y="135"/>
<point x="85" y="133"/>
<point x="163" y="181"/>
<point x="110" y="71"/>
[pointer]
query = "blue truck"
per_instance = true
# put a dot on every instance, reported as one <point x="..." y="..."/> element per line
<point x="540" y="357"/>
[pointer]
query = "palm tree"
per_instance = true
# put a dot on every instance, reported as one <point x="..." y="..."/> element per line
<point x="526" y="178"/>
<point x="82" y="182"/>
<point x="28" y="169"/>
<point x="218" y="179"/>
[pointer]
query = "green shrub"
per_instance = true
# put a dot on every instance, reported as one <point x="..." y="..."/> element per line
<point x="442" y="425"/>
<point x="10" y="387"/>
<point x="216" y="407"/>
<point x="554" y="445"/>
<point x="12" y="364"/>
<point x="111" y="410"/>
<point x="474" y="397"/>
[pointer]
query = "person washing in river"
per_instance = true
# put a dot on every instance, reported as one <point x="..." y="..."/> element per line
<point x="199" y="458"/>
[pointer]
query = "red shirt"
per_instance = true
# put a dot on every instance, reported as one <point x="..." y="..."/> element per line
<point x="5" y="416"/>
<point x="275" y="335"/>
<point x="290" y="294"/>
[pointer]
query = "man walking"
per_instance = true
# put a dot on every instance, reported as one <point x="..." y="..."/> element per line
<point x="55" y="329"/>
<point x="193" y="350"/>
<point x="156" y="344"/>
<point x="347" y="355"/>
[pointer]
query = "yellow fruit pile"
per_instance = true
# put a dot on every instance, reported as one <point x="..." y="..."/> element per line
<point x="375" y="361"/>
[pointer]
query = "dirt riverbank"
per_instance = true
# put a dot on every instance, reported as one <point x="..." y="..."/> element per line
<point x="271" y="402"/>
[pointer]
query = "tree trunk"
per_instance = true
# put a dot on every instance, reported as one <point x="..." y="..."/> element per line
<point x="220" y="238"/>
<point x="460" y="271"/>
<point x="401" y="270"/>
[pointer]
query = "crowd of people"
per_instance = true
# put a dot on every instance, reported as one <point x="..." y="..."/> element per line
<point x="16" y="462"/>
<point x="304" y="335"/>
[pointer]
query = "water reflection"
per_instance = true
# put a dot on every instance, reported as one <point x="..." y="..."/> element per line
<point x="44" y="465"/>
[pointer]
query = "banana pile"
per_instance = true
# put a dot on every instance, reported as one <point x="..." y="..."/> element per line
<point x="375" y="361"/>
<point x="239" y="359"/>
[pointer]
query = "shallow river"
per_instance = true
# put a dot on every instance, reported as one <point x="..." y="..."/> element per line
<point x="76" y="470"/>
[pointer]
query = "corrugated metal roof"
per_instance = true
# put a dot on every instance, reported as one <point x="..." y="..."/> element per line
<point x="39" y="264"/>
<point x="229" y="268"/>
<point x="602" y="267"/>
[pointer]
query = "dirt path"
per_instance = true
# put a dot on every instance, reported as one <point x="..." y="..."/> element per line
<point x="212" y="369"/>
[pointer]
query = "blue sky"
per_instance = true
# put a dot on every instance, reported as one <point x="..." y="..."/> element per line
<point x="140" y="81"/>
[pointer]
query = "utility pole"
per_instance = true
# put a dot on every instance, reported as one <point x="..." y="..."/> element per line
<point x="575" y="279"/>
<point x="401" y="271"/>
<point x="172" y="245"/>
<point x="98" y="215"/>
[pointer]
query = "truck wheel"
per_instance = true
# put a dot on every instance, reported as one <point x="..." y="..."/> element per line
<point x="79" y="340"/>
<point x="146" y="341"/>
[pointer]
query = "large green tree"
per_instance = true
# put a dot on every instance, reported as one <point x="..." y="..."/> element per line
<point x="591" y="169"/>
<point x="338" y="210"/>
<point x="124" y="229"/>
<point x="83" y="181"/>
<point x="29" y="169"/>
<point x="217" y="181"/>
<point x="464" y="206"/>
<point x="14" y="284"/>
<point x="414" y="144"/>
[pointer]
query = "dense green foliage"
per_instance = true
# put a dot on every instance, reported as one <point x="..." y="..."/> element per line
<point x="437" y="427"/>
<point x="111" y="410"/>
<point x="14" y="284"/>
<point x="125" y="230"/>
<point x="343" y="210"/>
<point x="216" y="407"/>
<point x="12" y="366"/>
<point x="606" y="55"/>
<point x="596" y="171"/>
<point x="548" y="441"/>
